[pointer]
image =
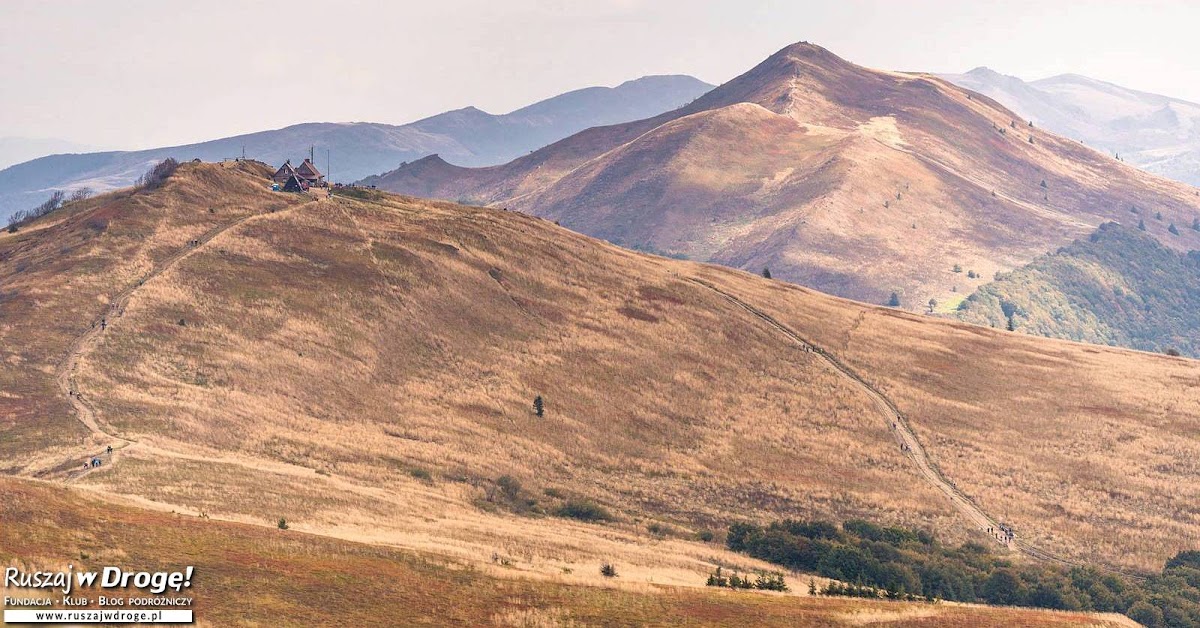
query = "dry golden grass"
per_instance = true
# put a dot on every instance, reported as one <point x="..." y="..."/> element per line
<point x="1087" y="450"/>
<point x="59" y="275"/>
<point x="366" y="370"/>
<point x="251" y="576"/>
<point x="368" y="340"/>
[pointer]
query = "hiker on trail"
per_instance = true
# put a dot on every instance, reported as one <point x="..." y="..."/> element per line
<point x="110" y="450"/>
<point x="103" y="323"/>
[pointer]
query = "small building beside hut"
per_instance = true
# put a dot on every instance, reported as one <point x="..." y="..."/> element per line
<point x="294" y="184"/>
<point x="306" y="175"/>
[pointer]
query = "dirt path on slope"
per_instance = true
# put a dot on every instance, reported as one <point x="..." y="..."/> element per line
<point x="907" y="439"/>
<point x="84" y="344"/>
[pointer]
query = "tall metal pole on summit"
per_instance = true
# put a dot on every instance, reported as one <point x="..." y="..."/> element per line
<point x="328" y="169"/>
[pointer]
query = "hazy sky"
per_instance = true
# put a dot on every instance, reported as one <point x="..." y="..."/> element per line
<point x="133" y="73"/>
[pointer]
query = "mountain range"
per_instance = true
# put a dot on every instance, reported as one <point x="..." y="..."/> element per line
<point x="858" y="182"/>
<point x="15" y="150"/>
<point x="466" y="136"/>
<point x="1158" y="133"/>
<point x="520" y="424"/>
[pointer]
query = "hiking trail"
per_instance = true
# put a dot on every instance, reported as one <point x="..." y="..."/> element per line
<point x="85" y="343"/>
<point x="907" y="438"/>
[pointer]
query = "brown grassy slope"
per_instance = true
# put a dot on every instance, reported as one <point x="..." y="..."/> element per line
<point x="58" y="276"/>
<point x="713" y="182"/>
<point x="376" y="340"/>
<point x="370" y="339"/>
<point x="1086" y="450"/>
<point x="247" y="575"/>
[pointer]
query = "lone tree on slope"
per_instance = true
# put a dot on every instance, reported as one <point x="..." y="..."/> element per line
<point x="894" y="301"/>
<point x="766" y="273"/>
<point x="539" y="407"/>
<point x="932" y="304"/>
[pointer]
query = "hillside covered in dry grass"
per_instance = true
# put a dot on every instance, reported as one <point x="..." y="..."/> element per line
<point x="365" y="366"/>
<point x="820" y="169"/>
<point x="314" y="580"/>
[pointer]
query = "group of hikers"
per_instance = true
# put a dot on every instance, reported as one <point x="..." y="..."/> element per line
<point x="903" y="445"/>
<point x="104" y="320"/>
<point x="1003" y="533"/>
<point x="95" y="460"/>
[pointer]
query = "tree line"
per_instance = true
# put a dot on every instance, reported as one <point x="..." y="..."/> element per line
<point x="899" y="563"/>
<point x="57" y="199"/>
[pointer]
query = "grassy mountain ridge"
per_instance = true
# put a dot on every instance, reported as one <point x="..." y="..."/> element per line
<point x="818" y="168"/>
<point x="1117" y="287"/>
<point x="365" y="367"/>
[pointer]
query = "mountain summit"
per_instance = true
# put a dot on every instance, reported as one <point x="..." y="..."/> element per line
<point x="820" y="169"/>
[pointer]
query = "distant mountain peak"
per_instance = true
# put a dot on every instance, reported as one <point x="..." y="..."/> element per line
<point x="659" y="78"/>
<point x="983" y="71"/>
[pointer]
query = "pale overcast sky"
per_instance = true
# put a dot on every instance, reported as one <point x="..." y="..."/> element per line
<point x="133" y="73"/>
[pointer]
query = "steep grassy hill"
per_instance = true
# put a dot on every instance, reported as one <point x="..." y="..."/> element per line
<point x="819" y="169"/>
<point x="1117" y="287"/>
<point x="365" y="366"/>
